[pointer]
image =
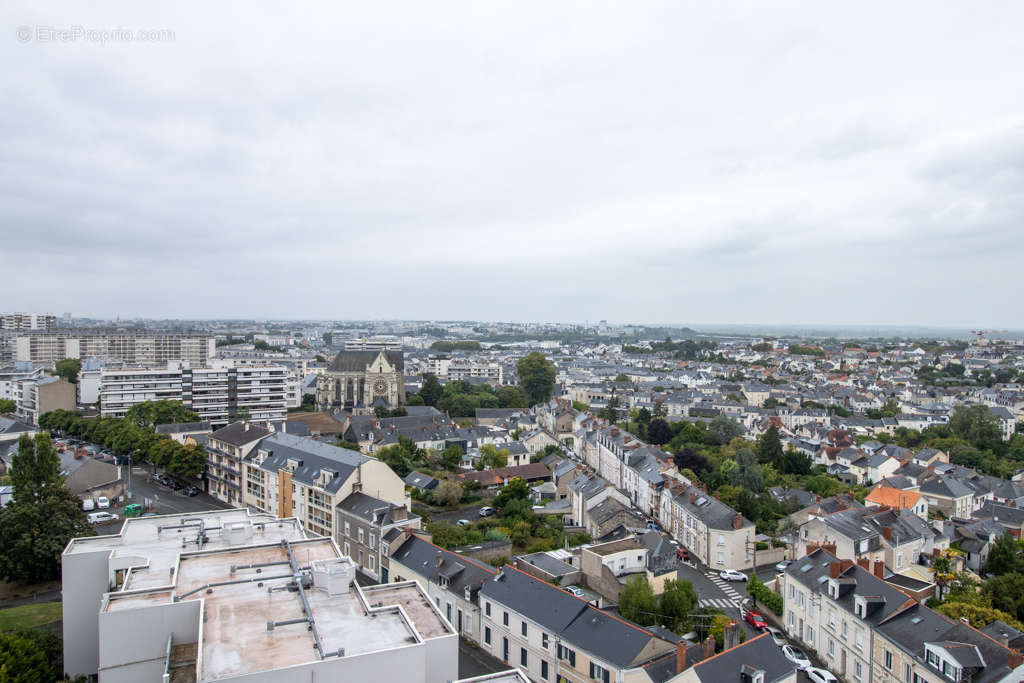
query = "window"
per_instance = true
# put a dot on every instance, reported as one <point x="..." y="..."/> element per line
<point x="504" y="619"/>
<point x="721" y="557"/>
<point x="544" y="640"/>
<point x="523" y="629"/>
<point x="373" y="561"/>
<point x="487" y="634"/>
<point x="844" y="629"/>
<point x="598" y="673"/>
<point x="487" y="608"/>
<point x="721" y="539"/>
<point x="348" y="530"/>
<point x="792" y="591"/>
<point x="360" y="531"/>
<point x="544" y="669"/>
<point x="857" y="673"/>
<point x="792" y="619"/>
<point x="899" y="559"/>
<point x="448" y="610"/>
<point x="567" y="655"/>
<point x="831" y="648"/>
<point x="888" y="660"/>
<point x="469" y="622"/>
<point x="810" y="636"/>
<point x="522" y="656"/>
<point x="858" y="641"/>
<point x="347" y="553"/>
<point x="906" y="673"/>
<point x="373" y="542"/>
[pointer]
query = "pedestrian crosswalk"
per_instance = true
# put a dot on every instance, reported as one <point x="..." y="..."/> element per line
<point x="720" y="603"/>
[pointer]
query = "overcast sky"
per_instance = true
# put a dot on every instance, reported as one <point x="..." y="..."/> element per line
<point x="826" y="163"/>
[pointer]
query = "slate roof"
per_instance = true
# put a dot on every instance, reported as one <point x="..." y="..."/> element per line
<point x="314" y="456"/>
<point x="547" y="563"/>
<point x="357" y="361"/>
<point x="12" y="426"/>
<point x="945" y="487"/>
<point x="579" y="624"/>
<point x="374" y="510"/>
<point x="714" y="513"/>
<point x="759" y="652"/>
<point x="240" y="433"/>
<point x="420" y="555"/>
<point x="421" y="481"/>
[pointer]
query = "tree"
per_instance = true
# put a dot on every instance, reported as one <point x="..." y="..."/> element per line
<point x="431" y="390"/>
<point x="1006" y="556"/>
<point x="68" y="369"/>
<point x="35" y="469"/>
<point x="33" y="534"/>
<point x="977" y="425"/>
<point x="722" y="430"/>
<point x="28" y="656"/>
<point x="769" y="447"/>
<point x="7" y="406"/>
<point x="517" y="489"/>
<point x="658" y="432"/>
<point x="637" y="602"/>
<point x="610" y="412"/>
<point x="676" y="604"/>
<point x="942" y="572"/>
<point x="979" y="616"/>
<point x="452" y="456"/>
<point x="513" y="397"/>
<point x="795" y="462"/>
<point x="448" y="493"/>
<point x="1006" y="593"/>
<point x="747" y="473"/>
<point x="414" y="400"/>
<point x="149" y="414"/>
<point x="491" y="457"/>
<point x="536" y="377"/>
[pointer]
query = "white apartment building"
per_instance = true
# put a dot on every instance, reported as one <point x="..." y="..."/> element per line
<point x="137" y="347"/>
<point x="215" y="393"/>
<point x="11" y="377"/>
<point x="229" y="595"/>
<point x="27" y="321"/>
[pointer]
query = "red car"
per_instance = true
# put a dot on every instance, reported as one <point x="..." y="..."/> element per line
<point x="755" y="620"/>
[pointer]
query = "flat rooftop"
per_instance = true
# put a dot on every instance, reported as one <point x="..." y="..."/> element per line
<point x="617" y="546"/>
<point x="236" y="639"/>
<point x="150" y="546"/>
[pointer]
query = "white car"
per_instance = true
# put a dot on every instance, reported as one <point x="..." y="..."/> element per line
<point x="101" y="517"/>
<point x="103" y="502"/>
<point x="575" y="591"/>
<point x="781" y="566"/>
<point x="797" y="656"/>
<point x="486" y="511"/>
<point x="820" y="675"/>
<point x="88" y="505"/>
<point x="778" y="637"/>
<point x="732" y="575"/>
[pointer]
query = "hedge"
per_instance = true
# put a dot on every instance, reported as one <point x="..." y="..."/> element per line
<point x="765" y="595"/>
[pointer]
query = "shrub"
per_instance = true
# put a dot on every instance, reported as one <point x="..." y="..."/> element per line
<point x="765" y="595"/>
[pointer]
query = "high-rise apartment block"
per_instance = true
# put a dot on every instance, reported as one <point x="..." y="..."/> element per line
<point x="138" y="347"/>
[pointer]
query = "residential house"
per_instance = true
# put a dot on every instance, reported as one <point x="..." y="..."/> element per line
<point x="714" y="534"/>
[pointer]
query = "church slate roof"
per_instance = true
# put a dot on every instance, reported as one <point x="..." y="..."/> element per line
<point x="357" y="361"/>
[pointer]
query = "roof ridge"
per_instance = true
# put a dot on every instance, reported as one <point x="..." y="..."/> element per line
<point x="491" y="570"/>
<point x="701" y="662"/>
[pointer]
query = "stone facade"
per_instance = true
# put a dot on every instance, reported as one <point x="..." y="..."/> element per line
<point x="361" y="381"/>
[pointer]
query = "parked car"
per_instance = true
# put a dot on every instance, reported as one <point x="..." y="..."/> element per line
<point x="820" y="675"/>
<point x="101" y="517"/>
<point x="754" y="619"/>
<point x="88" y="505"/>
<point x="682" y="554"/>
<point x="486" y="511"/>
<point x="797" y="656"/>
<point x="103" y="502"/>
<point x="778" y="637"/>
<point x="191" y="491"/>
<point x="732" y="575"/>
<point x="575" y="590"/>
<point x="463" y="522"/>
<point x="781" y="566"/>
<point x="652" y="525"/>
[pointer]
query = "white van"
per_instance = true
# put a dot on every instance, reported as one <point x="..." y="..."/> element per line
<point x="88" y="505"/>
<point x="103" y="502"/>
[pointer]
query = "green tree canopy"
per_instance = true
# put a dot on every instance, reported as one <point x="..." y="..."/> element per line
<point x="431" y="390"/>
<point x="676" y="605"/>
<point x="722" y="430"/>
<point x="1006" y="556"/>
<point x="7" y="406"/>
<point x="149" y="414"/>
<point x="35" y="468"/>
<point x="536" y="377"/>
<point x="517" y="489"/>
<point x="637" y="602"/>
<point x="29" y="656"/>
<point x="68" y="369"/>
<point x="658" y="432"/>
<point x="769" y="448"/>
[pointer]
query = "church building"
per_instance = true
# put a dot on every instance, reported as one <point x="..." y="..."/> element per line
<point x="361" y="381"/>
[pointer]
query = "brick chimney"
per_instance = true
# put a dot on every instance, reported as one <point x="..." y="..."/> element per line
<point x="731" y="635"/>
<point x="1014" y="659"/>
<point x="399" y="513"/>
<point x="829" y="547"/>
<point x="834" y="569"/>
<point x="439" y="560"/>
<point x="708" y="648"/>
<point x="887" y="533"/>
<point x="817" y="499"/>
<point x="864" y="563"/>
<point x="879" y="568"/>
<point x="844" y="565"/>
<point x="737" y="521"/>
<point x="680" y="656"/>
<point x="693" y="497"/>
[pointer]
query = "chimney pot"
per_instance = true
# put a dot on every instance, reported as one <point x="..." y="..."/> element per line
<point x="439" y="560"/>
<point x="680" y="656"/>
<point x="1014" y="659"/>
<point x="708" y="647"/>
<point x="887" y="533"/>
<point x="693" y="497"/>
<point x="737" y="521"/>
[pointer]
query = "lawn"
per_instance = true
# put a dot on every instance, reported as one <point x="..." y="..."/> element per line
<point x="29" y="616"/>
